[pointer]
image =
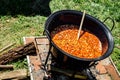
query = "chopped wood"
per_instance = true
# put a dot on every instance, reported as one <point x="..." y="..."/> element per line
<point x="18" y="52"/>
<point x="6" y="47"/>
<point x="15" y="74"/>
<point x="6" y="66"/>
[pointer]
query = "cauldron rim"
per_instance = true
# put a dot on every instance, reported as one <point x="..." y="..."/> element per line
<point x="106" y="30"/>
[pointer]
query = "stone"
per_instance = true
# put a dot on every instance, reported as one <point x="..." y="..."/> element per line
<point x="103" y="77"/>
<point x="111" y="70"/>
<point x="105" y="61"/>
<point x="100" y="68"/>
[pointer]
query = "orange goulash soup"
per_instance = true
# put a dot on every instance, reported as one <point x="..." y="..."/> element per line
<point x="88" y="45"/>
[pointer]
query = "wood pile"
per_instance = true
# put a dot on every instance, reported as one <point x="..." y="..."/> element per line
<point x="14" y="54"/>
<point x="18" y="52"/>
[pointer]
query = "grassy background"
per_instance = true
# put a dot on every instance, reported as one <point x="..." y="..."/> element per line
<point x="27" y="17"/>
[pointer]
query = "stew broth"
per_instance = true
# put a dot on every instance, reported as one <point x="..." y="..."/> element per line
<point x="88" y="45"/>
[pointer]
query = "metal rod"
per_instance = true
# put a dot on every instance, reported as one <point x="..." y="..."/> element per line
<point x="48" y="55"/>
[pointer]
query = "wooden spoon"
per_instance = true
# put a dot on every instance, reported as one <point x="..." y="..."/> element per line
<point x="83" y="16"/>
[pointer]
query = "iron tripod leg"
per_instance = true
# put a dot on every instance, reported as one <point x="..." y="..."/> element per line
<point x="48" y="56"/>
<point x="46" y="75"/>
<point x="90" y="75"/>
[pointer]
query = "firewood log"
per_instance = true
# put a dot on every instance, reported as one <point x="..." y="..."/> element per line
<point x="17" y="52"/>
<point x="15" y="74"/>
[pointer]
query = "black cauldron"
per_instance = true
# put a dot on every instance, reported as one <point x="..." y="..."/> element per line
<point x="92" y="24"/>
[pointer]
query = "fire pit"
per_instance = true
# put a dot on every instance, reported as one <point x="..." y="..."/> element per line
<point x="61" y="72"/>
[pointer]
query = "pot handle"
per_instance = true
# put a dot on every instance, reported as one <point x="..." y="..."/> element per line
<point x="113" y="22"/>
<point x="44" y="32"/>
<point x="47" y="32"/>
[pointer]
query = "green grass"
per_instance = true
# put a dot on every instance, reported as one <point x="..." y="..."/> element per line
<point x="14" y="27"/>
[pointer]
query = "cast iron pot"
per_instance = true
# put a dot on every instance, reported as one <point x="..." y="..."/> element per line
<point x="91" y="24"/>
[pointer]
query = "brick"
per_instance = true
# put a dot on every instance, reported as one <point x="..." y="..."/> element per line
<point x="28" y="39"/>
<point x="103" y="77"/>
<point x="42" y="40"/>
<point x="111" y="70"/>
<point x="100" y="68"/>
<point x="105" y="61"/>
